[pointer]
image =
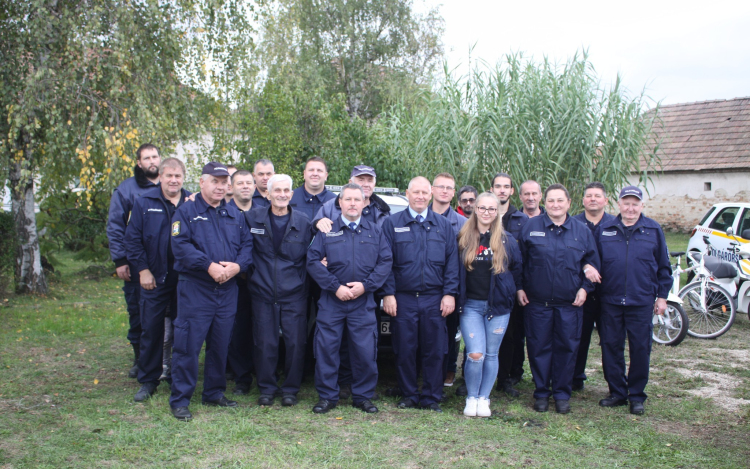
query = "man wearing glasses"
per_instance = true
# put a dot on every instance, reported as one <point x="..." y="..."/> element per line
<point x="443" y="189"/>
<point x="466" y="198"/>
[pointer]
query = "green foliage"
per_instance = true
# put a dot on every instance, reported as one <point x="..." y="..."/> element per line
<point x="7" y="251"/>
<point x="554" y="124"/>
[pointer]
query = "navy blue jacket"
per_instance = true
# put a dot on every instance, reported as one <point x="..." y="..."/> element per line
<point x="279" y="278"/>
<point x="504" y="285"/>
<point x="309" y="204"/>
<point x="554" y="258"/>
<point x="120" y="207"/>
<point x="425" y="255"/>
<point x="606" y="218"/>
<point x="514" y="221"/>
<point x="376" y="212"/>
<point x="147" y="237"/>
<point x="361" y="256"/>
<point x="636" y="271"/>
<point x="202" y="234"/>
<point x="260" y="201"/>
<point x="454" y="218"/>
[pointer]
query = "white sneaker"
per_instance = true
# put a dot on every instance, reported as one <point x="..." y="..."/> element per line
<point x="483" y="407"/>
<point x="471" y="407"/>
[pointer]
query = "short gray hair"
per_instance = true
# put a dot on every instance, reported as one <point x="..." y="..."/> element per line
<point x="279" y="178"/>
<point x="262" y="161"/>
<point x="351" y="185"/>
<point x="173" y="163"/>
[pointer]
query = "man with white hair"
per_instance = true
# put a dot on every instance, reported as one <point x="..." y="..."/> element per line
<point x="212" y="245"/>
<point x="278" y="290"/>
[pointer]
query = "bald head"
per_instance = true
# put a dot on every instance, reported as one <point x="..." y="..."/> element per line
<point x="419" y="194"/>
<point x="417" y="179"/>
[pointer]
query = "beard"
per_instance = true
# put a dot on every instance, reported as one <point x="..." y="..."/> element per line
<point x="151" y="172"/>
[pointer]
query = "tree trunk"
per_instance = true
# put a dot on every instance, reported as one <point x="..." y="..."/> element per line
<point x="29" y="274"/>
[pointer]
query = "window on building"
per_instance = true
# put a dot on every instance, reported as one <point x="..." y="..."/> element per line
<point x="706" y="186"/>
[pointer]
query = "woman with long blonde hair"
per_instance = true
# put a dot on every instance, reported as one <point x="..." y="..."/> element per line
<point x="490" y="270"/>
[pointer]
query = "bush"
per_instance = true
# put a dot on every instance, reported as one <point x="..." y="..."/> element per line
<point x="7" y="251"/>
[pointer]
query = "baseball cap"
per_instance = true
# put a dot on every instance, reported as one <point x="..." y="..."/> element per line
<point x="631" y="190"/>
<point x="361" y="169"/>
<point x="215" y="169"/>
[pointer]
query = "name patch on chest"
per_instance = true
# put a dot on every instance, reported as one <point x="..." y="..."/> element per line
<point x="155" y="210"/>
<point x="257" y="231"/>
<point x="609" y="233"/>
<point x="402" y="230"/>
<point x="200" y="218"/>
<point x="333" y="235"/>
<point x="537" y="233"/>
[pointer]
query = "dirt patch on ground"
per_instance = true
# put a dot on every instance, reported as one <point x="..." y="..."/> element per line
<point x="719" y="388"/>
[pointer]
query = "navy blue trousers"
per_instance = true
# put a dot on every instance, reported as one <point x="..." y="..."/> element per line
<point x="240" y="355"/>
<point x="267" y="319"/>
<point x="206" y="314"/>
<point x="418" y="325"/>
<point x="591" y="315"/>
<point x="337" y="319"/>
<point x="636" y="322"/>
<point x="154" y="305"/>
<point x="132" y="292"/>
<point x="552" y="337"/>
<point x="512" y="350"/>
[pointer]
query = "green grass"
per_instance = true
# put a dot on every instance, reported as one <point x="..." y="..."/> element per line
<point x="65" y="401"/>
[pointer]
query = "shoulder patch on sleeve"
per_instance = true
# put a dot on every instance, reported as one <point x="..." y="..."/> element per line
<point x="175" y="228"/>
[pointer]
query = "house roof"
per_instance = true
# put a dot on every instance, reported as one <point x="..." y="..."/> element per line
<point x="707" y="135"/>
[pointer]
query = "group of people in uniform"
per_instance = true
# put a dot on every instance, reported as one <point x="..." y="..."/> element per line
<point x="236" y="266"/>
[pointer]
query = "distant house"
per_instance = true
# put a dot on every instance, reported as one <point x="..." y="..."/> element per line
<point x="705" y="159"/>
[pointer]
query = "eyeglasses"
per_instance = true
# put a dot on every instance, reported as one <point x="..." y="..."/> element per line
<point x="444" y="188"/>
<point x="487" y="209"/>
<point x="464" y="201"/>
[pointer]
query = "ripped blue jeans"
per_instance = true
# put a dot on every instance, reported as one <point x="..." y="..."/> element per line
<point x="484" y="337"/>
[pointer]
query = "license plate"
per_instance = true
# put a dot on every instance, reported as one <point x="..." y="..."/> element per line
<point x="385" y="327"/>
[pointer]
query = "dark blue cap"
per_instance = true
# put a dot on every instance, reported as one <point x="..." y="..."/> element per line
<point x="361" y="169"/>
<point x="215" y="169"/>
<point x="631" y="190"/>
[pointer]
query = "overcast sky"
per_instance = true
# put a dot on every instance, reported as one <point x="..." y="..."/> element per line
<point x="680" y="51"/>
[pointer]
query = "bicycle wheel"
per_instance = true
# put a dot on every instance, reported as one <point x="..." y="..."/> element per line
<point x="712" y="319"/>
<point x="672" y="327"/>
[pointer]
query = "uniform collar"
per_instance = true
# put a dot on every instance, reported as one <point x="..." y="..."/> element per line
<point x="549" y="223"/>
<point x="414" y="214"/>
<point x="202" y="206"/>
<point x="309" y="196"/>
<point x="346" y="222"/>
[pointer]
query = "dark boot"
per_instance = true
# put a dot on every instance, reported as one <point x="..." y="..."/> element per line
<point x="133" y="373"/>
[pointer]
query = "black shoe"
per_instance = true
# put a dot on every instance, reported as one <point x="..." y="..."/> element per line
<point x="345" y="392"/>
<point x="613" y="401"/>
<point x="508" y="389"/>
<point x="461" y="390"/>
<point x="435" y="407"/>
<point x="375" y="397"/>
<point x="166" y="373"/>
<point x="578" y="386"/>
<point x="221" y="402"/>
<point x="407" y="404"/>
<point x="133" y="373"/>
<point x="636" y="408"/>
<point x="562" y="406"/>
<point x="366" y="406"/>
<point x="288" y="400"/>
<point x="541" y="404"/>
<point x="514" y="380"/>
<point x="182" y="413"/>
<point x="146" y="391"/>
<point x="230" y="375"/>
<point x="266" y="399"/>
<point x="394" y="392"/>
<point x="241" y="389"/>
<point x="323" y="406"/>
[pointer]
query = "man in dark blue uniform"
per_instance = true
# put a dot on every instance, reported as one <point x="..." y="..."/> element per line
<point x="146" y="175"/>
<point x="212" y="245"/>
<point x="443" y="189"/>
<point x="262" y="172"/>
<point x="240" y="354"/>
<point x="512" y="348"/>
<point x="593" y="215"/>
<point x="358" y="263"/>
<point x="419" y="294"/>
<point x="278" y="291"/>
<point x="147" y="241"/>
<point x="530" y="193"/>
<point x="636" y="278"/>
<point x="555" y="249"/>
<point x="309" y="197"/>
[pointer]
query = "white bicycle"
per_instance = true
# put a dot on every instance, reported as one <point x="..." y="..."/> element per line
<point x="672" y="327"/>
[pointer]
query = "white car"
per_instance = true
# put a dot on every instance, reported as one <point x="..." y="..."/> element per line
<point x="726" y="225"/>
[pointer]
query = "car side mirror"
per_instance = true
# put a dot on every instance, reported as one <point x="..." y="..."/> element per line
<point x="730" y="231"/>
<point x="705" y="240"/>
<point x="746" y="233"/>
